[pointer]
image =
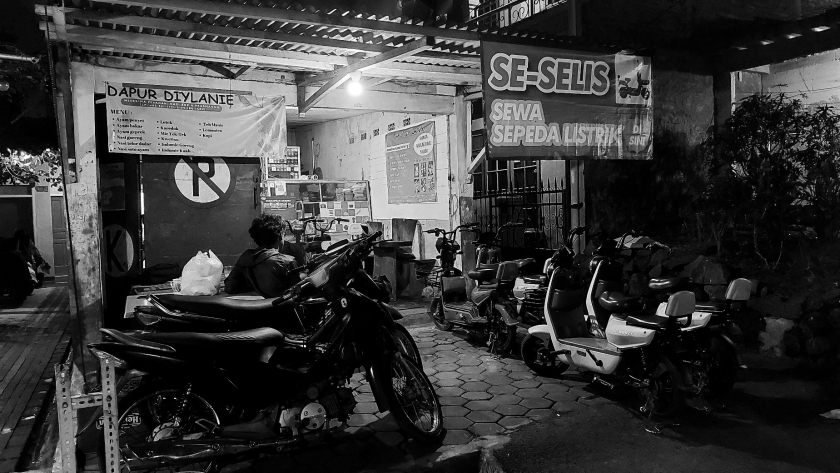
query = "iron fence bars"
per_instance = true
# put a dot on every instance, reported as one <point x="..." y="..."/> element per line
<point x="541" y="208"/>
<point x="503" y="13"/>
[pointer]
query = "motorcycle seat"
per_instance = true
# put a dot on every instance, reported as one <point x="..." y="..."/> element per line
<point x="222" y="307"/>
<point x="482" y="274"/>
<point x="648" y="321"/>
<point x="535" y="279"/>
<point x="618" y="303"/>
<point x="258" y="337"/>
<point x="669" y="284"/>
<point x="711" y="306"/>
<point x="521" y="263"/>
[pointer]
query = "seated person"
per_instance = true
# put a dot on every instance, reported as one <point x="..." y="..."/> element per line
<point x="264" y="269"/>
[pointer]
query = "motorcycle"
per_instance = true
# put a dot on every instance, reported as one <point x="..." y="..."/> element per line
<point x="487" y="309"/>
<point x="636" y="348"/>
<point x="174" y="312"/>
<point x="194" y="413"/>
<point x="530" y="290"/>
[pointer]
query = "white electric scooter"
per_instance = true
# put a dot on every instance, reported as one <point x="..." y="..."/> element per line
<point x="634" y="351"/>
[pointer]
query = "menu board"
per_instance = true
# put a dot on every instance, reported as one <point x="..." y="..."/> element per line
<point x="172" y="120"/>
<point x="410" y="158"/>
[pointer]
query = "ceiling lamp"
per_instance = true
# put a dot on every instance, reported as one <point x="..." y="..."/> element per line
<point x="792" y="35"/>
<point x="820" y="29"/>
<point x="355" y="86"/>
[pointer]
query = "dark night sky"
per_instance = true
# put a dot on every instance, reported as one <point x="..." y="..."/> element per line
<point x="19" y="26"/>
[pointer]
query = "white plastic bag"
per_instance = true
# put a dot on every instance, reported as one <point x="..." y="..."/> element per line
<point x="201" y="275"/>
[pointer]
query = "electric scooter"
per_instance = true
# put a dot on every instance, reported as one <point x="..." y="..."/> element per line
<point x="636" y="348"/>
<point x="486" y="310"/>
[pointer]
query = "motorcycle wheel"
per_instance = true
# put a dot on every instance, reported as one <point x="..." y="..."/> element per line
<point x="665" y="383"/>
<point x="412" y="400"/>
<point x="532" y="347"/>
<point x="438" y="317"/>
<point x="723" y="367"/>
<point x="505" y="335"/>
<point x="144" y="413"/>
<point x="406" y="345"/>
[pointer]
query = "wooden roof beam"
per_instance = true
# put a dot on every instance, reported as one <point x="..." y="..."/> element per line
<point x="339" y="76"/>
<point x="303" y="17"/>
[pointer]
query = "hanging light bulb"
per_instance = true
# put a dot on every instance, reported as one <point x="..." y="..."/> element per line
<point x="355" y="86"/>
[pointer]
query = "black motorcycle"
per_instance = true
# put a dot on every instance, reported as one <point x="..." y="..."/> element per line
<point x="202" y="407"/>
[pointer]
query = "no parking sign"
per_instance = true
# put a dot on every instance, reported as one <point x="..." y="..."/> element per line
<point x="203" y="182"/>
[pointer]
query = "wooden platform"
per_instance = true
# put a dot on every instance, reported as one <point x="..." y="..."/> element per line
<point x="33" y="337"/>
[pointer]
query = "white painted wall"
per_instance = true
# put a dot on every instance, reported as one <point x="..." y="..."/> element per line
<point x="816" y="77"/>
<point x="42" y="225"/>
<point x="364" y="159"/>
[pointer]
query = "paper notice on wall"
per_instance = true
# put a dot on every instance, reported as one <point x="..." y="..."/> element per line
<point x="411" y="164"/>
<point x="171" y="120"/>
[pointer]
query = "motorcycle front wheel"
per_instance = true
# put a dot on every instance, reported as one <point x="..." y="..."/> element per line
<point x="406" y="345"/>
<point x="412" y="400"/>
<point x="150" y="413"/>
<point x="535" y="354"/>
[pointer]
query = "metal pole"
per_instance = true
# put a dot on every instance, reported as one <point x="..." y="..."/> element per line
<point x="18" y="57"/>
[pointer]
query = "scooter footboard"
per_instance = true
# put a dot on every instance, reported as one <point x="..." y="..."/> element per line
<point x="591" y="354"/>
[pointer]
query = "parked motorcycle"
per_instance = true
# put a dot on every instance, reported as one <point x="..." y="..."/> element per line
<point x="636" y="349"/>
<point x="175" y="312"/>
<point x="530" y="290"/>
<point x="486" y="310"/>
<point x="194" y="414"/>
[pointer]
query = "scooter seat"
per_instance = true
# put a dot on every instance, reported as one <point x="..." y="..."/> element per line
<point x="649" y="321"/>
<point x="482" y="274"/>
<point x="524" y="262"/>
<point x="669" y="284"/>
<point x="535" y="279"/>
<point x="618" y="303"/>
<point x="258" y="337"/>
<point x="711" y="306"/>
<point x="223" y="307"/>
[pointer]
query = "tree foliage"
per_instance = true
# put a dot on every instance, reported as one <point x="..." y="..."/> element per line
<point x="773" y="161"/>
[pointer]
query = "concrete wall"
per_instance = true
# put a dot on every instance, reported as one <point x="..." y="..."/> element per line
<point x="683" y="105"/>
<point x="354" y="148"/>
<point x="814" y="76"/>
<point x="42" y="225"/>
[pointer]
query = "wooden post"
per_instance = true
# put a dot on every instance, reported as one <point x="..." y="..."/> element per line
<point x="75" y="82"/>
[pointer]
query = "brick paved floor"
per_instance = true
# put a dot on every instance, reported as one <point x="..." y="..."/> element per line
<point x="481" y="396"/>
<point x="33" y="337"/>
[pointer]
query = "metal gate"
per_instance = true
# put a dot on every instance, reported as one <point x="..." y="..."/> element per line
<point x="541" y="209"/>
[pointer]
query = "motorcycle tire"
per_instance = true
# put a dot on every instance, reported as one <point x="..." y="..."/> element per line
<point x="505" y="336"/>
<point x="404" y="381"/>
<point x="438" y="317"/>
<point x="407" y="346"/>
<point x="133" y="405"/>
<point x="531" y="347"/>
<point x="670" y="399"/>
<point x="723" y="367"/>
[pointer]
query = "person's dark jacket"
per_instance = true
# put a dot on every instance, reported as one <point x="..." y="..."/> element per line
<point x="263" y="270"/>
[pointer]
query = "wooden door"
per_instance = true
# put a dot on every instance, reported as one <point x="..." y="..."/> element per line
<point x="61" y="268"/>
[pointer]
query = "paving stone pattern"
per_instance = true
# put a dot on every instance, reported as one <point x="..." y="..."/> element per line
<point x="33" y="339"/>
<point x="480" y="394"/>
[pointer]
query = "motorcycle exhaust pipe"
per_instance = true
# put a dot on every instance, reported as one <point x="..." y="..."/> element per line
<point x="185" y="452"/>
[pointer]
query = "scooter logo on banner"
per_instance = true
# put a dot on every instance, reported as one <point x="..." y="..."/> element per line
<point x="632" y="76"/>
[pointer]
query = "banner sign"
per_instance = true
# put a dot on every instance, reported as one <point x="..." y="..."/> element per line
<point x="151" y="119"/>
<point x="411" y="164"/>
<point x="542" y="103"/>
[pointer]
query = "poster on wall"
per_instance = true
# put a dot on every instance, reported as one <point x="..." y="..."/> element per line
<point x="544" y="103"/>
<point x="411" y="164"/>
<point x="172" y="120"/>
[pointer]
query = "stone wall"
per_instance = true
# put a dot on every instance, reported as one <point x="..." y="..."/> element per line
<point x="657" y="196"/>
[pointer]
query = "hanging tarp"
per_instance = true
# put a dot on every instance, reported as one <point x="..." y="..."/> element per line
<point x="172" y="120"/>
<point x="543" y="103"/>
